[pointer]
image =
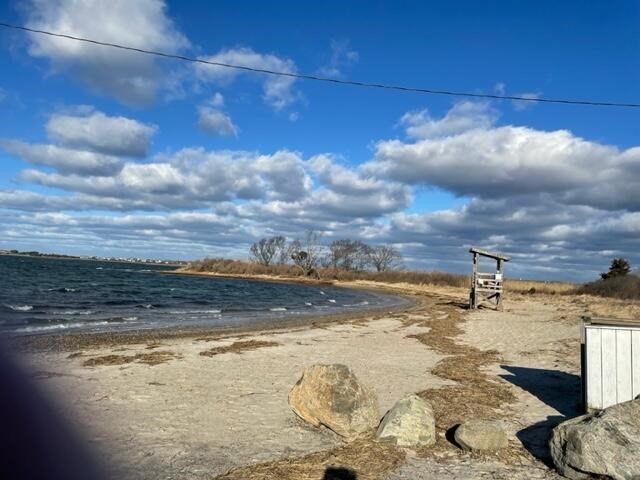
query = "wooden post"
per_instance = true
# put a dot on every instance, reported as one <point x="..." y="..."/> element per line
<point x="473" y="298"/>
<point x="499" y="295"/>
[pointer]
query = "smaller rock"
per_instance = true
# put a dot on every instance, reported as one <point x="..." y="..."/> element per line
<point x="410" y="423"/>
<point x="481" y="435"/>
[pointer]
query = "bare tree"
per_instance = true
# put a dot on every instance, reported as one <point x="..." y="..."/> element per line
<point x="281" y="249"/>
<point x="306" y="253"/>
<point x="264" y="250"/>
<point x="348" y="255"/>
<point x="384" y="257"/>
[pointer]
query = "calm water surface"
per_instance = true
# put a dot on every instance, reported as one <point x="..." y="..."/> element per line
<point x="45" y="295"/>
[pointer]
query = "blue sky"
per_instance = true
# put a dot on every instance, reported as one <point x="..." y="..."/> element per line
<point x="204" y="161"/>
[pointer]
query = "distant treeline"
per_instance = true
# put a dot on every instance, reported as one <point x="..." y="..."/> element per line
<point x="309" y="255"/>
<point x="224" y="266"/>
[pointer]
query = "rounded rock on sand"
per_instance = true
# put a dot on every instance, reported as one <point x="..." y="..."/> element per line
<point x="410" y="423"/>
<point x="481" y="435"/>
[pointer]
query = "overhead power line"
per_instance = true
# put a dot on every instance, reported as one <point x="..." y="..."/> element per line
<point x="302" y="76"/>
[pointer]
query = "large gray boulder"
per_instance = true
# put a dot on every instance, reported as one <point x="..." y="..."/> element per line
<point x="606" y="443"/>
<point x="480" y="435"/>
<point x="410" y="423"/>
<point x="332" y="396"/>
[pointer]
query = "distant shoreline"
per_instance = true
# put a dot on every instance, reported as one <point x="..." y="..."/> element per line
<point x="57" y="256"/>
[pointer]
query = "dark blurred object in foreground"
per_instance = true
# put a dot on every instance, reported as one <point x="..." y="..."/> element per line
<point x="35" y="441"/>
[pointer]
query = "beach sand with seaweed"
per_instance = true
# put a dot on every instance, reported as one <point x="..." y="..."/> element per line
<point x="198" y="404"/>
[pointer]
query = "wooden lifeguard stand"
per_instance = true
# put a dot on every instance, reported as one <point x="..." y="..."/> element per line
<point x="486" y="286"/>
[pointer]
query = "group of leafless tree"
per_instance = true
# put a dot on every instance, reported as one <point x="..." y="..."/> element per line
<point x="309" y="254"/>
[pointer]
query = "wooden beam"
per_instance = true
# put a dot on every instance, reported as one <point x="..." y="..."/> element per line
<point x="486" y="253"/>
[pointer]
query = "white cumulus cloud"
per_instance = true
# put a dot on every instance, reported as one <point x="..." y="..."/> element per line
<point x="64" y="160"/>
<point x="130" y="77"/>
<point x="213" y="120"/>
<point x="100" y="133"/>
<point x="277" y="90"/>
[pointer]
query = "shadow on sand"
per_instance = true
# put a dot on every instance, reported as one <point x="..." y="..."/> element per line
<point x="455" y="303"/>
<point x="339" y="473"/>
<point x="559" y="390"/>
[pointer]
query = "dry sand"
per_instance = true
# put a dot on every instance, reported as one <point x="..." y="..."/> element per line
<point x="194" y="407"/>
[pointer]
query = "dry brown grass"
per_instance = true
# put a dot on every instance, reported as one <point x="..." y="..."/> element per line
<point x="225" y="266"/>
<point x="153" y="358"/>
<point x="222" y="266"/>
<point x="363" y="459"/>
<point x="239" y="347"/>
<point x="538" y="287"/>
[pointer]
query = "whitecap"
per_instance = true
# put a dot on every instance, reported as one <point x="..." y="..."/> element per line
<point x="356" y="304"/>
<point x="332" y="300"/>
<point x="20" y="308"/>
<point x="321" y="292"/>
<point x="278" y="309"/>
<point x="308" y="304"/>
<point x="57" y="326"/>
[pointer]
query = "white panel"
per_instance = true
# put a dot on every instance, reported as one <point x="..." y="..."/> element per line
<point x="635" y="360"/>
<point x="594" y="368"/>
<point x="623" y="366"/>
<point x="609" y="390"/>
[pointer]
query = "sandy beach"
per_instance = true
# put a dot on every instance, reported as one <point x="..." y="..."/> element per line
<point x="214" y="404"/>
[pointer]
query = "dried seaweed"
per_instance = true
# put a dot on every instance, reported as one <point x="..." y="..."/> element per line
<point x="238" y="347"/>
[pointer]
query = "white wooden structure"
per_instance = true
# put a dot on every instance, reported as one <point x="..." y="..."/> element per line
<point x="610" y="362"/>
<point x="486" y="286"/>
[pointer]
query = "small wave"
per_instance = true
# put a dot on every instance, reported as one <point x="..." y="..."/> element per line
<point x="20" y="308"/>
<point x="148" y="306"/>
<point x="278" y="309"/>
<point x="116" y="320"/>
<point x="356" y="304"/>
<point x="73" y="312"/>
<point x="186" y="312"/>
<point x="331" y="300"/>
<point x="57" y="326"/>
<point x="61" y="289"/>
